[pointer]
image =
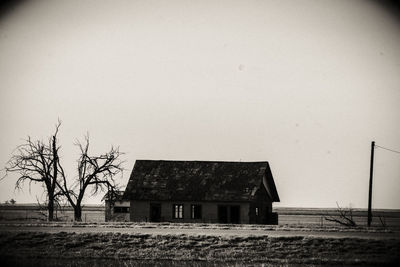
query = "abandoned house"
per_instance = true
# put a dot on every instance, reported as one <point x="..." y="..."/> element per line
<point x="199" y="191"/>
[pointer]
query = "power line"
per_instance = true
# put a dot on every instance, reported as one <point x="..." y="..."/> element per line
<point x="371" y="173"/>
<point x="392" y="150"/>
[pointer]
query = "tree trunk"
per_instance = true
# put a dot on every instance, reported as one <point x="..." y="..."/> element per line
<point x="50" y="207"/>
<point x="54" y="180"/>
<point x="78" y="213"/>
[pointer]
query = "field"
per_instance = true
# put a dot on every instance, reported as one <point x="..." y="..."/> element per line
<point x="287" y="216"/>
<point x="138" y="244"/>
<point x="303" y="236"/>
<point x="316" y="216"/>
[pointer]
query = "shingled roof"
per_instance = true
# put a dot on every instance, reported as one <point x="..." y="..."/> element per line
<point x="158" y="180"/>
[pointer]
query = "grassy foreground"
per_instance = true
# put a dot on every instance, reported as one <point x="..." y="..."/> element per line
<point x="251" y="249"/>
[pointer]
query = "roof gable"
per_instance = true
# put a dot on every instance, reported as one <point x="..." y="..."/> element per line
<point x="198" y="180"/>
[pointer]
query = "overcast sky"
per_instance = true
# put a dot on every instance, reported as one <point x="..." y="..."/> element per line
<point x="306" y="85"/>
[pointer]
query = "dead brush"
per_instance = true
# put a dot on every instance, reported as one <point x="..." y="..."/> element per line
<point x="382" y="220"/>
<point x="344" y="218"/>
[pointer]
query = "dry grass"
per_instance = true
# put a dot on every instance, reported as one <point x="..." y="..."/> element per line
<point x="208" y="226"/>
<point x="249" y="249"/>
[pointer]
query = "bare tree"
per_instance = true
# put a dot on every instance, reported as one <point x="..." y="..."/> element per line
<point x="345" y="217"/>
<point x="38" y="162"/>
<point x="94" y="172"/>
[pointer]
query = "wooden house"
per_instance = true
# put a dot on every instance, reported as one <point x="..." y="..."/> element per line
<point x="201" y="191"/>
<point x="116" y="208"/>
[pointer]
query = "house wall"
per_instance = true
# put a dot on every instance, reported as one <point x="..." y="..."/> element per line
<point x="140" y="211"/>
<point x="263" y="204"/>
<point x="111" y="216"/>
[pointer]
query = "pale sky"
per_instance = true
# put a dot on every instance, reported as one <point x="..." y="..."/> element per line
<point x="306" y="85"/>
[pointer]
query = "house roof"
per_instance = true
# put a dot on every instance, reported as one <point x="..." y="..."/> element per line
<point x="118" y="195"/>
<point x="157" y="180"/>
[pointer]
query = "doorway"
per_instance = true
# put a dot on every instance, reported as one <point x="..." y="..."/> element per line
<point x="222" y="214"/>
<point x="228" y="214"/>
<point x="155" y="212"/>
<point x="235" y="214"/>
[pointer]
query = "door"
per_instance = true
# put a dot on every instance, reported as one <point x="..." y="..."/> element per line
<point x="155" y="212"/>
<point x="223" y="214"/>
<point x="229" y="214"/>
<point x="235" y="214"/>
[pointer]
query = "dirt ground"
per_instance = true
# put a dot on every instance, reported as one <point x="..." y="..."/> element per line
<point x="210" y="244"/>
<point x="222" y="231"/>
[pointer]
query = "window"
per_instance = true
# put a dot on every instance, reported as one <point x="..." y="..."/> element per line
<point x="256" y="211"/>
<point x="195" y="212"/>
<point x="121" y="209"/>
<point x="177" y="211"/>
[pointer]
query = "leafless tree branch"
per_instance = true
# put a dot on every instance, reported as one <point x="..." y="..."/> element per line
<point x="95" y="172"/>
<point x="345" y="217"/>
<point x="36" y="161"/>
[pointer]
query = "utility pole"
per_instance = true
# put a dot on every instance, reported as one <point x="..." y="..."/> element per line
<point x="371" y="171"/>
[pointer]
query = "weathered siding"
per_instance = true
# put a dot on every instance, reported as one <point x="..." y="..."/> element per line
<point x="140" y="211"/>
<point x="263" y="205"/>
<point x="112" y="216"/>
